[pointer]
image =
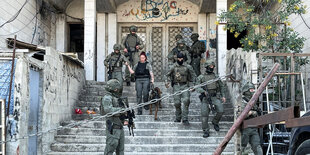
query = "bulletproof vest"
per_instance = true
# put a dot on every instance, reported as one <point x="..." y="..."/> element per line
<point x="114" y="58"/>
<point x="131" y="41"/>
<point x="114" y="119"/>
<point x="180" y="74"/>
<point x="213" y="85"/>
<point x="196" y="48"/>
<point x="141" y="71"/>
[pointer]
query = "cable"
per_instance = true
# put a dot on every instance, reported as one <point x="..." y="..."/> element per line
<point x="96" y="118"/>
<point x="35" y="26"/>
<point x="15" y="15"/>
<point x="304" y="21"/>
<point x="21" y="28"/>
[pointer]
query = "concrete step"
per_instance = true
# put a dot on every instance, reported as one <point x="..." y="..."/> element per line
<point x="157" y="125"/>
<point x="139" y="153"/>
<point x="140" y="140"/>
<point x="140" y="148"/>
<point x="142" y="132"/>
<point x="165" y="105"/>
<point x="162" y="116"/>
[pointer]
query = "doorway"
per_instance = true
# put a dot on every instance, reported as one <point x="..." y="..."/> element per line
<point x="76" y="40"/>
<point x="159" y="40"/>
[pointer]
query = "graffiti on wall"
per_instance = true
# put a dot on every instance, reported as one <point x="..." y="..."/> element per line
<point x="156" y="9"/>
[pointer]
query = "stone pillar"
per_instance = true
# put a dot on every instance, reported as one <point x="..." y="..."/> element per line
<point x="61" y="33"/>
<point x="89" y="38"/>
<point x="101" y="46"/>
<point x="221" y="5"/>
<point x="202" y="28"/>
<point x="112" y="31"/>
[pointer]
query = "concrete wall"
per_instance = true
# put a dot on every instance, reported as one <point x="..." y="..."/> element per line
<point x="27" y="24"/>
<point x="303" y="28"/>
<point x="169" y="11"/>
<point x="61" y="81"/>
<point x="239" y="64"/>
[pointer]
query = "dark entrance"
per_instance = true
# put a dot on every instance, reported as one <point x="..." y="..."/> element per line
<point x="77" y="40"/>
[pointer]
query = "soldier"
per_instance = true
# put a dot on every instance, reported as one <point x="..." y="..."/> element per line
<point x="180" y="75"/>
<point x="249" y="135"/>
<point x="114" y="63"/>
<point x="198" y="47"/>
<point x="210" y="98"/>
<point x="132" y="43"/>
<point x="114" y="125"/>
<point x="180" y="48"/>
<point x="144" y="75"/>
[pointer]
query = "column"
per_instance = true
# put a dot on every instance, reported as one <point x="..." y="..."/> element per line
<point x="61" y="33"/>
<point x="89" y="38"/>
<point x="221" y="5"/>
<point x="202" y="28"/>
<point x="101" y="46"/>
<point x="112" y="31"/>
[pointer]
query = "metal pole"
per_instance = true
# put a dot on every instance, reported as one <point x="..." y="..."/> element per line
<point x="269" y="126"/>
<point x="11" y="80"/>
<point x="246" y="110"/>
<point x="303" y="92"/>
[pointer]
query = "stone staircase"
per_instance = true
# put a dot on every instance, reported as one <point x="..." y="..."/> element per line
<point x="151" y="137"/>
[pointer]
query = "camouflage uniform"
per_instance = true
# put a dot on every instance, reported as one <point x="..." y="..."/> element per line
<point x="215" y="90"/>
<point x="180" y="75"/>
<point x="249" y="135"/>
<point x="115" y="61"/>
<point x="130" y="42"/>
<point x="198" y="47"/>
<point x="115" y="136"/>
<point x="172" y="56"/>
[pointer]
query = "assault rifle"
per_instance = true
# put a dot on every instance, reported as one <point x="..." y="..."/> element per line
<point x="123" y="102"/>
<point x="208" y="98"/>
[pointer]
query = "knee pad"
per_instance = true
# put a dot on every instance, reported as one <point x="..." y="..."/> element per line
<point x="177" y="105"/>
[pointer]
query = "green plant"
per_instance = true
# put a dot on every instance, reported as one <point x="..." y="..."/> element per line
<point x="266" y="23"/>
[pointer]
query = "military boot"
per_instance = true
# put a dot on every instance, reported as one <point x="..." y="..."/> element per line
<point x="185" y="122"/>
<point x="205" y="134"/>
<point x="140" y="111"/>
<point x="216" y="127"/>
<point x="128" y="83"/>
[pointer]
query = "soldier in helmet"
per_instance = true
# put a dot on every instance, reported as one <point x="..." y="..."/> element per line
<point x="249" y="135"/>
<point x="211" y="96"/>
<point x="196" y="50"/>
<point x="181" y="48"/>
<point x="114" y="124"/>
<point x="180" y="75"/>
<point x="114" y="62"/>
<point x="132" y="43"/>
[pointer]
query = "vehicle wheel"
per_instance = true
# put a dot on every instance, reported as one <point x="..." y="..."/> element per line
<point x="303" y="148"/>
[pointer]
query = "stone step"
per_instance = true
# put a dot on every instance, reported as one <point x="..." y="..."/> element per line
<point x="161" y="116"/>
<point x="141" y="148"/>
<point x="139" y="153"/>
<point x="142" y="132"/>
<point x="139" y="140"/>
<point x="165" y="105"/>
<point x="157" y="125"/>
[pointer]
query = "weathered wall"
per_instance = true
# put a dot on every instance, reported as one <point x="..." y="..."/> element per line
<point x="31" y="25"/>
<point x="61" y="80"/>
<point x="169" y="11"/>
<point x="239" y="64"/>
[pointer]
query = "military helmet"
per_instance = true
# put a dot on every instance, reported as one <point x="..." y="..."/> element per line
<point x="181" y="41"/>
<point x="195" y="35"/>
<point x="117" y="47"/>
<point x="247" y="86"/>
<point x="133" y="28"/>
<point x="209" y="63"/>
<point x="178" y="36"/>
<point x="113" y="84"/>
